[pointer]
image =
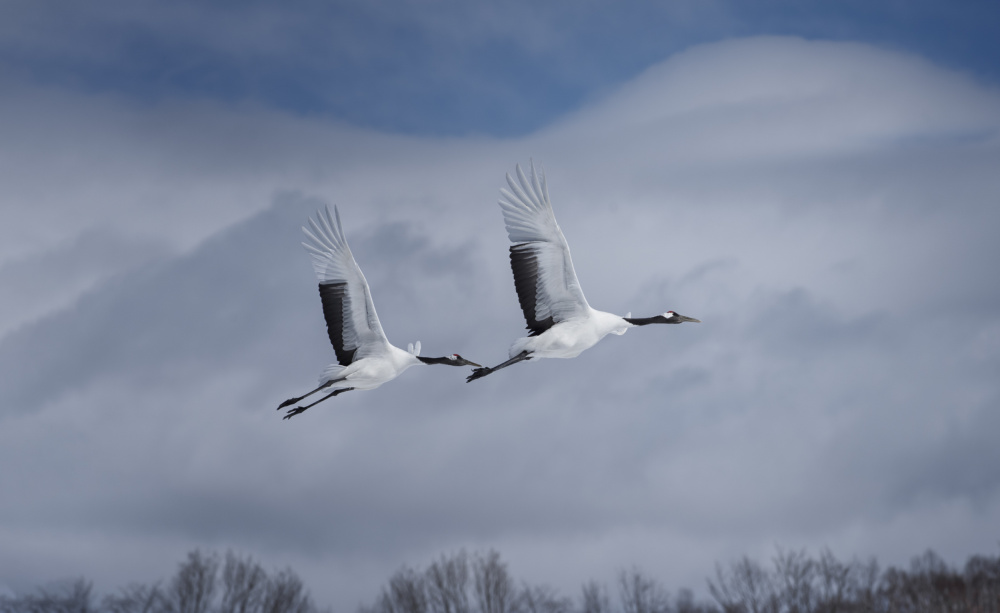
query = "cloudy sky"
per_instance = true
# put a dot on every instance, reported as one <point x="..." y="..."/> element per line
<point x="816" y="182"/>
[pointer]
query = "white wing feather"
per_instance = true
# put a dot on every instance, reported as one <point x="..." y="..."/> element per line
<point x="334" y="263"/>
<point x="531" y="224"/>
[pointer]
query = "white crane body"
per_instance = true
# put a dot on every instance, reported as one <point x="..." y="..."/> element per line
<point x="369" y="373"/>
<point x="572" y="336"/>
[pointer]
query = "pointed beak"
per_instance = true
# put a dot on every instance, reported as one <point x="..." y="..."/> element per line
<point x="684" y="318"/>
<point x="465" y="362"/>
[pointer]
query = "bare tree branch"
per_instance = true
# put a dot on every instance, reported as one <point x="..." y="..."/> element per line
<point x="136" y="598"/>
<point x="594" y="598"/>
<point x="193" y="587"/>
<point x="640" y="593"/>
<point x="448" y="584"/>
<point x="495" y="591"/>
<point x="244" y="585"/>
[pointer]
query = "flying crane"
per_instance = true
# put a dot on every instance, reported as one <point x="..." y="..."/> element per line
<point x="365" y="358"/>
<point x="561" y="323"/>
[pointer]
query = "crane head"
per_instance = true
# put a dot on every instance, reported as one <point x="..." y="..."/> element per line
<point x="676" y="318"/>
<point x="457" y="360"/>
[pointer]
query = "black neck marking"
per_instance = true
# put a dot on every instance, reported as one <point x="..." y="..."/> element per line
<point x="444" y="360"/>
<point x="656" y="319"/>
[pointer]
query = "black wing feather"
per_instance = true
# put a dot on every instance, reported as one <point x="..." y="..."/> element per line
<point x="524" y="265"/>
<point x="337" y="307"/>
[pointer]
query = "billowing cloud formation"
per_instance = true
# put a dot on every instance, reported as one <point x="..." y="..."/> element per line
<point x="827" y="210"/>
<point x="451" y="67"/>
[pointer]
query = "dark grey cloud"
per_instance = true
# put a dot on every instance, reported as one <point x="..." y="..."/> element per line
<point x="445" y="68"/>
<point x="53" y="279"/>
<point x="833" y="237"/>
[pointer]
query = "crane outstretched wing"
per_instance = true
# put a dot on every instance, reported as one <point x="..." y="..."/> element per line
<point x="546" y="282"/>
<point x="350" y="315"/>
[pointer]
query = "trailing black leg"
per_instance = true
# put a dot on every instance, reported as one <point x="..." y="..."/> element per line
<point x="293" y="412"/>
<point x="299" y="399"/>
<point x="482" y="372"/>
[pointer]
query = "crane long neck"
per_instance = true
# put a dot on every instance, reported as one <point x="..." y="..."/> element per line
<point x="642" y="321"/>
<point x="445" y="360"/>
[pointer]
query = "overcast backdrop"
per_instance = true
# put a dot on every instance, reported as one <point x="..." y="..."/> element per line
<point x="817" y="183"/>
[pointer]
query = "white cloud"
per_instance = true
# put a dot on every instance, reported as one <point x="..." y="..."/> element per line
<point x="826" y="209"/>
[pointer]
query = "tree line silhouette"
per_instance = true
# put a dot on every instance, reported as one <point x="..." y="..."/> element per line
<point x="793" y="582"/>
